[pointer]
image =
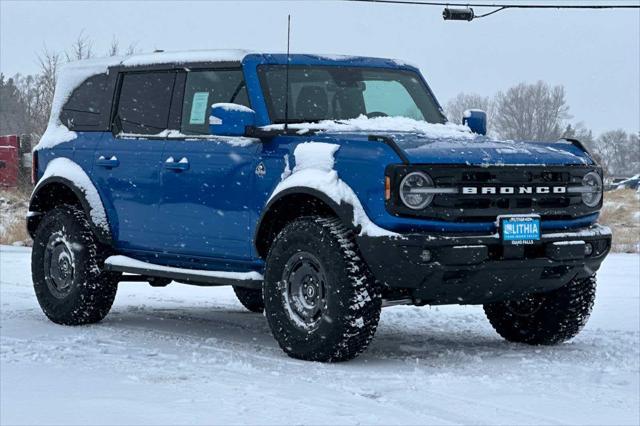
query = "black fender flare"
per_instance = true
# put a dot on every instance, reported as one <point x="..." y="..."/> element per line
<point x="39" y="203"/>
<point x="343" y="211"/>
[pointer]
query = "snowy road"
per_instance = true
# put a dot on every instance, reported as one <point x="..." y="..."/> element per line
<point x="192" y="355"/>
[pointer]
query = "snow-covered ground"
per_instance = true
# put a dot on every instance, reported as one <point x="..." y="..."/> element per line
<point x="192" y="355"/>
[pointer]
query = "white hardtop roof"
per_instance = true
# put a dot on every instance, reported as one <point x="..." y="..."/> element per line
<point x="100" y="65"/>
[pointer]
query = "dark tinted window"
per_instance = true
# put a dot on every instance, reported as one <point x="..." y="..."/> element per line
<point x="339" y="93"/>
<point x="205" y="88"/>
<point x="89" y="105"/>
<point x="145" y="101"/>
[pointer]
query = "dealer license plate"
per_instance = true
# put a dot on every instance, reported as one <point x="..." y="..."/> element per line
<point x="518" y="230"/>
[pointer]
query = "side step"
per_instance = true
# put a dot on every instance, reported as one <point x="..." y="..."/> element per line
<point x="192" y="276"/>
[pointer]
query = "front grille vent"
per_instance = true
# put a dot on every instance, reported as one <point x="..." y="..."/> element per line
<point x="482" y="207"/>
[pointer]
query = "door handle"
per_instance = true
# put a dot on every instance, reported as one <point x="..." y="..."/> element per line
<point x="108" y="162"/>
<point x="177" y="166"/>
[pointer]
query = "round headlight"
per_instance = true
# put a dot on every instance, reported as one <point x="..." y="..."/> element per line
<point x="412" y="190"/>
<point x="592" y="194"/>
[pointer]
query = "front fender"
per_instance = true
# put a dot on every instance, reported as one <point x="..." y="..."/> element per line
<point x="343" y="211"/>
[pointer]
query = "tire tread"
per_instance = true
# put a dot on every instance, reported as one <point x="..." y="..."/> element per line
<point x="564" y="313"/>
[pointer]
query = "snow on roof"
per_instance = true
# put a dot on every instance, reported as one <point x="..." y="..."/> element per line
<point x="74" y="74"/>
<point x="231" y="55"/>
<point x="335" y="57"/>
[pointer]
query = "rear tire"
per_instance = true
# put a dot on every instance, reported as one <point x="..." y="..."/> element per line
<point x="321" y="301"/>
<point x="66" y="264"/>
<point x="547" y="318"/>
<point x="250" y="298"/>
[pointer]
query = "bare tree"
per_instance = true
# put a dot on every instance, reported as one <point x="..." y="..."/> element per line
<point x="580" y="132"/>
<point x="531" y="112"/>
<point x="82" y="48"/>
<point x="114" y="48"/>
<point x="456" y="107"/>
<point x="132" y="49"/>
<point x="618" y="152"/>
<point x="46" y="85"/>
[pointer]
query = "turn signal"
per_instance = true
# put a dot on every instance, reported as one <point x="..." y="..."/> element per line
<point x="387" y="188"/>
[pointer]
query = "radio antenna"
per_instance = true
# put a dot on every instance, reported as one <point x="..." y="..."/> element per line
<point x="286" y="90"/>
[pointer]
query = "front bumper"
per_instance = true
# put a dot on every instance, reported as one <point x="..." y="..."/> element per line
<point x="477" y="269"/>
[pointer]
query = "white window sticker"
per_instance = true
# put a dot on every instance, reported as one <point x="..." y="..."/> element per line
<point x="199" y="107"/>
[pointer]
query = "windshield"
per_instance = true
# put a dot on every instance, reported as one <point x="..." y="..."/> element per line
<point x="339" y="93"/>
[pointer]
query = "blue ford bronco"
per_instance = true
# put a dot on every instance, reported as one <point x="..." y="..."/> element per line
<point x="320" y="188"/>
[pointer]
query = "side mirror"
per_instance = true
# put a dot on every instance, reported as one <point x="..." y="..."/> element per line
<point x="476" y="120"/>
<point x="230" y="119"/>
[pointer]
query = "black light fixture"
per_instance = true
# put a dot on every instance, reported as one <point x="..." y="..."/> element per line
<point x="465" y="14"/>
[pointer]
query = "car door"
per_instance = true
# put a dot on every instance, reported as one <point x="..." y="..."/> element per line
<point x="128" y="160"/>
<point x="206" y="181"/>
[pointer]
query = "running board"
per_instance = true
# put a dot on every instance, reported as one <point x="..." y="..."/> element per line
<point x="192" y="276"/>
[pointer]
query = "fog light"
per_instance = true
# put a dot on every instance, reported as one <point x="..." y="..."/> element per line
<point x="588" y="249"/>
<point x="425" y="256"/>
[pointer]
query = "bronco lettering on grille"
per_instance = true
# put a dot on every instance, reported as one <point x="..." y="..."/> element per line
<point x="513" y="190"/>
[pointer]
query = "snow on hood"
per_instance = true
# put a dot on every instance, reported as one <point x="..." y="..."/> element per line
<point x="449" y="143"/>
<point x="485" y="151"/>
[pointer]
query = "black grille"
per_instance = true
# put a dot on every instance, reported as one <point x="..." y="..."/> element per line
<point x="485" y="207"/>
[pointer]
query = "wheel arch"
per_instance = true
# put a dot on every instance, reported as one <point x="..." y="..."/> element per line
<point x="293" y="203"/>
<point x="55" y="191"/>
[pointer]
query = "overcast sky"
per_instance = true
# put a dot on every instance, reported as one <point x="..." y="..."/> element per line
<point x="594" y="54"/>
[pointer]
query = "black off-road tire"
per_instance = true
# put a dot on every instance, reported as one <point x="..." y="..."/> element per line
<point x="554" y="317"/>
<point x="250" y="298"/>
<point x="64" y="235"/>
<point x="351" y="303"/>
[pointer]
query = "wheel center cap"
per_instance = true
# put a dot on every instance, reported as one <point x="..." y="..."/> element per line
<point x="311" y="291"/>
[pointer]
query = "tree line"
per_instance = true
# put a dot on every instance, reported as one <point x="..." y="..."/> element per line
<point x="540" y="112"/>
<point x="534" y="112"/>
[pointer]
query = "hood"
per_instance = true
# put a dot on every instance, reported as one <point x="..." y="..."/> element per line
<point x="449" y="143"/>
<point x="485" y="151"/>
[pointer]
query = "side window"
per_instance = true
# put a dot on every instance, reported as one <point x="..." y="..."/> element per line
<point x="390" y="97"/>
<point x="145" y="102"/>
<point x="89" y="105"/>
<point x="205" y="88"/>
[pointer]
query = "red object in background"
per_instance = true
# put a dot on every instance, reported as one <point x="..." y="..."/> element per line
<point x="9" y="160"/>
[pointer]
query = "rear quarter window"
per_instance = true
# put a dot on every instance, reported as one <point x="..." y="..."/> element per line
<point x="89" y="106"/>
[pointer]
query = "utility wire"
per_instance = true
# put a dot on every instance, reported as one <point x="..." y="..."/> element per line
<point x="490" y="13"/>
<point x="500" y="7"/>
<point x="504" y="6"/>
